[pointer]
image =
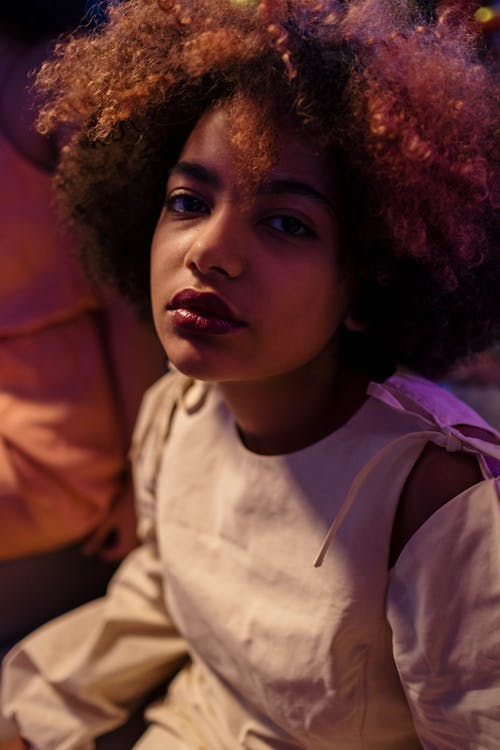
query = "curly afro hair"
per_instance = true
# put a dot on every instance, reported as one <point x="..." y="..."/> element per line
<point x="402" y="100"/>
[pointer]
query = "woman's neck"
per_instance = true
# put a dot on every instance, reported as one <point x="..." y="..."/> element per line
<point x="285" y="414"/>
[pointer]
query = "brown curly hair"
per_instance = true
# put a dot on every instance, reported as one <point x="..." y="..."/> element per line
<point x="403" y="101"/>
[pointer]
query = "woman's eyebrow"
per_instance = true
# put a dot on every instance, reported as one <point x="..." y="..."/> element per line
<point x="277" y="186"/>
<point x="197" y="171"/>
<point x="281" y="186"/>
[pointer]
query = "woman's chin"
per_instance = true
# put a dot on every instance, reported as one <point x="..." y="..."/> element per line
<point x="193" y="365"/>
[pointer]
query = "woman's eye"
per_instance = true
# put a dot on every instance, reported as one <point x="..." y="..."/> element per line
<point x="185" y="203"/>
<point x="289" y="225"/>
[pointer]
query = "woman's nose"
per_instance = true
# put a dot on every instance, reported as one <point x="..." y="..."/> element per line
<point x="217" y="248"/>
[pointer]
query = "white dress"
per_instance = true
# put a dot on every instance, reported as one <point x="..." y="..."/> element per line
<point x="271" y="572"/>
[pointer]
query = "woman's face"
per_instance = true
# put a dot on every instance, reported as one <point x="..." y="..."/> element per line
<point x="247" y="288"/>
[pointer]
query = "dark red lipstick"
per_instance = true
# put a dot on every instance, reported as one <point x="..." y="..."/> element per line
<point x="202" y="312"/>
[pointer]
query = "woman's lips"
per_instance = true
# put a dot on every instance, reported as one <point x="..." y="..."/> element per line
<point x="202" y="312"/>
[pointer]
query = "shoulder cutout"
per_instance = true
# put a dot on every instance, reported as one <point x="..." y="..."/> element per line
<point x="436" y="478"/>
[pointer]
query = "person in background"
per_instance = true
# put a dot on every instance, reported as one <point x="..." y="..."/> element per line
<point x="74" y="363"/>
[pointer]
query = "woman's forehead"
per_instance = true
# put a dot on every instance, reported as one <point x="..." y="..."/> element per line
<point x="214" y="145"/>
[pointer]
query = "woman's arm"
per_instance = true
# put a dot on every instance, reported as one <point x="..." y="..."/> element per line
<point x="81" y="675"/>
<point x="443" y="605"/>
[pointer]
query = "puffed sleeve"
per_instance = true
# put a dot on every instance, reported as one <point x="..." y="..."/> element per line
<point x="443" y="605"/>
<point x="80" y="675"/>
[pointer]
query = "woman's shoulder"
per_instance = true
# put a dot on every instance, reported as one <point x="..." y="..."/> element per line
<point x="436" y="478"/>
<point x="157" y="406"/>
